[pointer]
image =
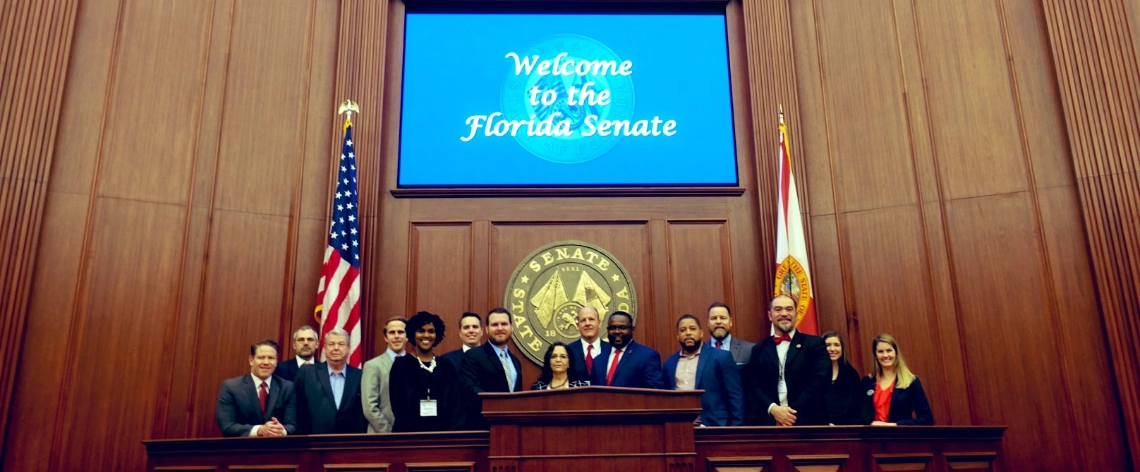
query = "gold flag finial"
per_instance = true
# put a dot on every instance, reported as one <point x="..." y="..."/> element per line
<point x="780" y="109"/>
<point x="348" y="106"/>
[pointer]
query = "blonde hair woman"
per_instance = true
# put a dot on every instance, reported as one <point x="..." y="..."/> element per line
<point x="894" y="394"/>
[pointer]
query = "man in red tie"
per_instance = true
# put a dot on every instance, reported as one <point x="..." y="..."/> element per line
<point x="628" y="364"/>
<point x="788" y="373"/>
<point x="589" y="344"/>
<point x="260" y="403"/>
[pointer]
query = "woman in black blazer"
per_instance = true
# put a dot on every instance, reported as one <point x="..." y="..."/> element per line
<point x="558" y="370"/>
<point x="844" y="405"/>
<point x="893" y="395"/>
<point x="425" y="390"/>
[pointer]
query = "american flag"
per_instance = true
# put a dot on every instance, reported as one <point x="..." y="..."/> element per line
<point x="338" y="294"/>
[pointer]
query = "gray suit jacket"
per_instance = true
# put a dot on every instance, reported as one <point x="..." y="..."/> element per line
<point x="741" y="350"/>
<point x="377" y="402"/>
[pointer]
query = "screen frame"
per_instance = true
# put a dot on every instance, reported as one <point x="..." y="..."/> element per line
<point x="738" y="93"/>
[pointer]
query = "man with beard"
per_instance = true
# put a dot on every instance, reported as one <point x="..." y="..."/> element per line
<point x="788" y="373"/>
<point x="589" y="344"/>
<point x="711" y="370"/>
<point x="328" y="393"/>
<point x="375" y="391"/>
<point x="720" y="329"/>
<point x="471" y="333"/>
<point x="260" y="403"/>
<point x="305" y="344"/>
<point x="628" y="364"/>
<point x="491" y="367"/>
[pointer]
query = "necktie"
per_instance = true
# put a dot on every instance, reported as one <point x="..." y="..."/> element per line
<point x="719" y="344"/>
<point x="507" y="370"/>
<point x="613" y="366"/>
<point x="262" y="396"/>
<point x="590" y="359"/>
<point x="781" y="338"/>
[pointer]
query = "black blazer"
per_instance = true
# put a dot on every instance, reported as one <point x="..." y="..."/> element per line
<point x="287" y="369"/>
<point x="904" y="403"/>
<point x="316" y="407"/>
<point x="409" y="383"/>
<point x="483" y="372"/>
<point x="845" y="397"/>
<point x="456" y="359"/>
<point x="239" y="410"/>
<point x="579" y="354"/>
<point x="807" y="371"/>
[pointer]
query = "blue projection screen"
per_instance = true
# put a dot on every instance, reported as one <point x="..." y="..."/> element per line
<point x="540" y="99"/>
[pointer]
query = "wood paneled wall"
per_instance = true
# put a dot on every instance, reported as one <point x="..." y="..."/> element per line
<point x="968" y="181"/>
<point x="1095" y="57"/>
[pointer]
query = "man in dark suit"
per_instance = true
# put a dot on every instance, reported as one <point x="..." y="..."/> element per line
<point x="633" y="365"/>
<point x="305" y="344"/>
<point x="589" y="344"/>
<point x="491" y="367"/>
<point x="697" y="367"/>
<point x="471" y="333"/>
<point x="720" y="331"/>
<point x="258" y="404"/>
<point x="788" y="373"/>
<point x="328" y="393"/>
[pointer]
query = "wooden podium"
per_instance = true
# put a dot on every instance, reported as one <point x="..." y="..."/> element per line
<point x="592" y="429"/>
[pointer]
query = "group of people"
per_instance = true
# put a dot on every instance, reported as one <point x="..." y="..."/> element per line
<point x="788" y="379"/>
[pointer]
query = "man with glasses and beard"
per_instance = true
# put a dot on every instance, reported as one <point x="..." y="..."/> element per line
<point x="789" y="373"/>
<point x="305" y="344"/>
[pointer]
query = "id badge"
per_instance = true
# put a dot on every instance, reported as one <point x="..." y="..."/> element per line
<point x="428" y="408"/>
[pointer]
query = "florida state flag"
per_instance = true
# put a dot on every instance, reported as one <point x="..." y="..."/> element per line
<point x="793" y="276"/>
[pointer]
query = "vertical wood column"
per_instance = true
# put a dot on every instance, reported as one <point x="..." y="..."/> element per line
<point x="1096" y="65"/>
<point x="362" y="50"/>
<point x="36" y="39"/>
<point x="772" y="83"/>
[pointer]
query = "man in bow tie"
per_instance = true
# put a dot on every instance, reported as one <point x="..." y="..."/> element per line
<point x="788" y="373"/>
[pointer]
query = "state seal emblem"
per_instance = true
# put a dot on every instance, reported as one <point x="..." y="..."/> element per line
<point x="549" y="286"/>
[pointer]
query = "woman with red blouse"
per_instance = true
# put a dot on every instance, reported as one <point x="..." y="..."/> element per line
<point x="894" y="395"/>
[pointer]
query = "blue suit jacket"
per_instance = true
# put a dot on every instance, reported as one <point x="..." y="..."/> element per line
<point x="639" y="367"/>
<point x="722" y="404"/>
<point x="580" y="357"/>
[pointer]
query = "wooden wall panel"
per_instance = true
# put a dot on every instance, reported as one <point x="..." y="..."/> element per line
<point x="440" y="274"/>
<point x="869" y="161"/>
<point x="35" y="45"/>
<point x="1002" y="289"/>
<point x="971" y="105"/>
<point x="155" y="91"/>
<point x="1094" y="49"/>
<point x="272" y="151"/>
<point x="123" y="298"/>
<point x="699" y="268"/>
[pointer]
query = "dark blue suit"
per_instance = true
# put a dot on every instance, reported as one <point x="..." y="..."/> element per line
<point x="722" y="404"/>
<point x="904" y="402"/>
<point x="456" y="359"/>
<point x="576" y="350"/>
<point x="638" y="367"/>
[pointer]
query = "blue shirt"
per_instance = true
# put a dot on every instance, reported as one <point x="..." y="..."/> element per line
<point x="501" y="352"/>
<point x="336" y="381"/>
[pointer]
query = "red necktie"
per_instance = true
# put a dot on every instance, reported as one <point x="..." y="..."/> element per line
<point x="262" y="396"/>
<point x="719" y="344"/>
<point x="781" y="338"/>
<point x="613" y="366"/>
<point x="590" y="359"/>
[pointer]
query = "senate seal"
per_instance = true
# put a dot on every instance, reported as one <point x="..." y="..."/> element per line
<point x="576" y="148"/>
<point x="549" y="286"/>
